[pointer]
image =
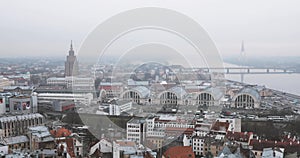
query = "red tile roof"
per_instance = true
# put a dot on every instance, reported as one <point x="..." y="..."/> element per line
<point x="220" y="126"/>
<point x="179" y="130"/>
<point x="62" y="132"/>
<point x="239" y="136"/>
<point x="126" y="143"/>
<point x="180" y="152"/>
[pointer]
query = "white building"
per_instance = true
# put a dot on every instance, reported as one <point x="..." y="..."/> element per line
<point x="5" y="82"/>
<point x="77" y="98"/>
<point x="3" y="102"/>
<point x="78" y="144"/>
<point x="104" y="146"/>
<point x="3" y="149"/>
<point x="119" y="107"/>
<point x="186" y="140"/>
<point x="136" y="130"/>
<point x="56" y="81"/>
<point x="75" y="83"/>
<point x="154" y="131"/>
<point x="234" y="124"/>
<point x="172" y="121"/>
<point x="273" y="153"/>
<point x="198" y="145"/>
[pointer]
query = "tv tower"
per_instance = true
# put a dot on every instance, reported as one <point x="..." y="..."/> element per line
<point x="242" y="61"/>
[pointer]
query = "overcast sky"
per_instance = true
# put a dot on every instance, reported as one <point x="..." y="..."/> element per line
<point x="45" y="28"/>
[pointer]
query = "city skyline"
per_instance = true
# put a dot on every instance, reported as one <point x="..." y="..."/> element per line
<point x="150" y="79"/>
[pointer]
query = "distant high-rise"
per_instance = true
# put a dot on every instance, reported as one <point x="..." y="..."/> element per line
<point x="71" y="65"/>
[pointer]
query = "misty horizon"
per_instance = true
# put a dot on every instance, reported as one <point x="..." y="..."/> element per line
<point x="268" y="28"/>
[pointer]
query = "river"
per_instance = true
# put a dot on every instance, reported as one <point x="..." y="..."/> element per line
<point x="289" y="83"/>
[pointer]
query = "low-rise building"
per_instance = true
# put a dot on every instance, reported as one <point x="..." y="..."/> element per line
<point x="242" y="138"/>
<point x="257" y="146"/>
<point x="17" y="142"/>
<point x="234" y="123"/>
<point x="103" y="147"/>
<point x="273" y="153"/>
<point x="68" y="144"/>
<point x="119" y="107"/>
<point x="84" y="98"/>
<point x="40" y="138"/>
<point x="219" y="129"/>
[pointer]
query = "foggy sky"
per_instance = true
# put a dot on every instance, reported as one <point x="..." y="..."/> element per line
<point x="45" y="28"/>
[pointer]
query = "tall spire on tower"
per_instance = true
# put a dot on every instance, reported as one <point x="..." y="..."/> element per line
<point x="71" y="51"/>
<point x="71" y="47"/>
<point x="71" y="64"/>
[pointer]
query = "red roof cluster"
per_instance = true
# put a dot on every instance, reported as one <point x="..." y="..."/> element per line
<point x="290" y="147"/>
<point x="180" y="152"/>
<point x="239" y="136"/>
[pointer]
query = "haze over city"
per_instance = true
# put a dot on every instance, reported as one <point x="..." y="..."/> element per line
<point x="44" y="28"/>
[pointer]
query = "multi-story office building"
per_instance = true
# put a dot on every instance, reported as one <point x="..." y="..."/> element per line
<point x="136" y="130"/>
<point x="18" y="125"/>
<point x="22" y="104"/>
<point x="18" y="104"/>
<point x="74" y="83"/>
<point x="198" y="144"/>
<point x="13" y="131"/>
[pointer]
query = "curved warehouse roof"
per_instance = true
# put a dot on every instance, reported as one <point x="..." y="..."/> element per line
<point x="217" y="93"/>
<point x="249" y="91"/>
<point x="141" y="90"/>
<point x="178" y="91"/>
